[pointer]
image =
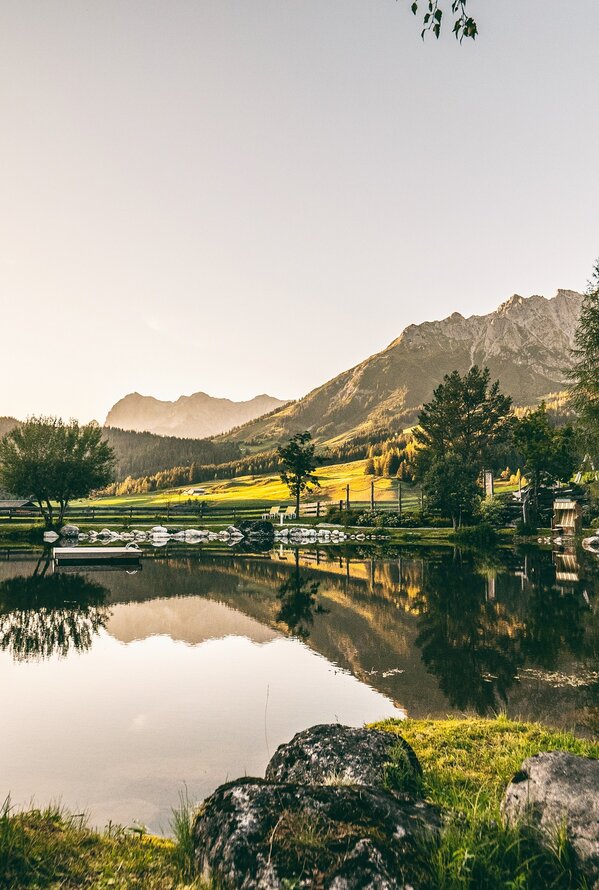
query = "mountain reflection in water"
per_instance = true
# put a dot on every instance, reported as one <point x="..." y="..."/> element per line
<point x="197" y="667"/>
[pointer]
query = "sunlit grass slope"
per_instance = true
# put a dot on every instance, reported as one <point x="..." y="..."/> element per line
<point x="268" y="489"/>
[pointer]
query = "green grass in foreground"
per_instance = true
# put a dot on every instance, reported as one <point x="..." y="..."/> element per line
<point x="51" y="849"/>
<point x="467" y="765"/>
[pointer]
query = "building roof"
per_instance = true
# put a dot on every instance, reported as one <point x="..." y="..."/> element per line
<point x="13" y="504"/>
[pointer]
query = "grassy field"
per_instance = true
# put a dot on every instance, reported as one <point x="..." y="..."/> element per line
<point x="268" y="489"/>
<point x="466" y="767"/>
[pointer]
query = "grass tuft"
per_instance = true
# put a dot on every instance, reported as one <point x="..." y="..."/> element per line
<point x="52" y="849"/>
<point x="182" y="827"/>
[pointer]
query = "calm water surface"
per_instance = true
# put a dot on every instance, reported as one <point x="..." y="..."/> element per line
<point x="117" y="688"/>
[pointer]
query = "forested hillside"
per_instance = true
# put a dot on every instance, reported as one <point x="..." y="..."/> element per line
<point x="144" y="454"/>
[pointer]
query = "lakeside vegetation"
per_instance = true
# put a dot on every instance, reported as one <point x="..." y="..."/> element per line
<point x="466" y="763"/>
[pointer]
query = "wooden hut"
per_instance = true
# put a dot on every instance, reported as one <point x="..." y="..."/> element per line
<point x="567" y="517"/>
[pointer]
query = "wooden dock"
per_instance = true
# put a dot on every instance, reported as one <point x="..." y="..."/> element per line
<point x="94" y="556"/>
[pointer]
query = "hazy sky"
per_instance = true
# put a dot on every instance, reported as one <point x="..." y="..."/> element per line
<point x="244" y="196"/>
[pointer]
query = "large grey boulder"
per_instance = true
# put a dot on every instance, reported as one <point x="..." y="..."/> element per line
<point x="256" y="834"/>
<point x="69" y="531"/>
<point x="557" y="789"/>
<point x="336" y="754"/>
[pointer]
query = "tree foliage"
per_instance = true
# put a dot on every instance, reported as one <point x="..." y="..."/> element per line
<point x="466" y="416"/>
<point x="298" y="460"/>
<point x="585" y="373"/>
<point x="463" y="23"/>
<point x="548" y="452"/>
<point x="451" y="487"/>
<point x="464" y="428"/>
<point x="54" y="462"/>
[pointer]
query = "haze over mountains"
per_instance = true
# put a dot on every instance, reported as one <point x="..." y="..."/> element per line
<point x="197" y="416"/>
<point x="526" y="344"/>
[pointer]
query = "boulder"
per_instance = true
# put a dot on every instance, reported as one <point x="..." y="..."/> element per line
<point x="557" y="789"/>
<point x="334" y="754"/>
<point x="69" y="531"/>
<point x="257" y="834"/>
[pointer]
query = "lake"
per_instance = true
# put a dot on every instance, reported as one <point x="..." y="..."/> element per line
<point x="118" y="689"/>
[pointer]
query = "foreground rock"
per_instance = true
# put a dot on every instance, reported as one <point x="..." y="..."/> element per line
<point x="559" y="789"/>
<point x="335" y="754"/>
<point x="257" y="834"/>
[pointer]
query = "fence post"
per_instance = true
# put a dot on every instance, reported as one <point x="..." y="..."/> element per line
<point x="372" y="495"/>
<point x="317" y="509"/>
<point x="347" y="496"/>
<point x="399" y="497"/>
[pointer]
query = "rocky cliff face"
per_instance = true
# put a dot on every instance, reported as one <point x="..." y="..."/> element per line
<point x="196" y="416"/>
<point x="526" y="344"/>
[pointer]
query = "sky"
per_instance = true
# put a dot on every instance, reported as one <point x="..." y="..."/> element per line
<point x="247" y="196"/>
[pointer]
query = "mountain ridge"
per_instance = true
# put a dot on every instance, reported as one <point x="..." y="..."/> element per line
<point x="526" y="343"/>
<point x="196" y="416"/>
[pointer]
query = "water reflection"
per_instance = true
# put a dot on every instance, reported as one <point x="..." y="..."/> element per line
<point x="475" y="636"/>
<point x="297" y="596"/>
<point x="155" y="673"/>
<point x="44" y="615"/>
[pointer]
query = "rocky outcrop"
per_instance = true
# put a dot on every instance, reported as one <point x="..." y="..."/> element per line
<point x="256" y="834"/>
<point x="330" y="814"/>
<point x="556" y="790"/>
<point x="336" y="754"/>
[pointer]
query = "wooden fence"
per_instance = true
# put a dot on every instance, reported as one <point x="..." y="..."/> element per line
<point x="206" y="510"/>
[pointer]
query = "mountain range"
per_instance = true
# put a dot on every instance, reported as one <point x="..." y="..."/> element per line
<point x="197" y="416"/>
<point x="526" y="343"/>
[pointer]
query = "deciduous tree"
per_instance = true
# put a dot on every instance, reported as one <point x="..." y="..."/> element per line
<point x="451" y="487"/>
<point x="54" y="462"/>
<point x="548" y="452"/>
<point x="298" y="461"/>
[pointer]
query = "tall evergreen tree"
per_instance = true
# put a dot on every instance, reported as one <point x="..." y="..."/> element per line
<point x="585" y="373"/>
<point x="467" y="416"/>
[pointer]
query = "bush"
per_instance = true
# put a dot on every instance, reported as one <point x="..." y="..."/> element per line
<point x="525" y="529"/>
<point x="494" y="511"/>
<point x="483" y="533"/>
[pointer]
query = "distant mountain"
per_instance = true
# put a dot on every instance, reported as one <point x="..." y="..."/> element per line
<point x="196" y="416"/>
<point x="525" y="343"/>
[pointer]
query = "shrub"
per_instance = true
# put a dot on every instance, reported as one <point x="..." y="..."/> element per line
<point x="483" y="533"/>
<point x="525" y="529"/>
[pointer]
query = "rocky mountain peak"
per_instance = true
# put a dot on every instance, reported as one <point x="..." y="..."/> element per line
<point x="526" y="343"/>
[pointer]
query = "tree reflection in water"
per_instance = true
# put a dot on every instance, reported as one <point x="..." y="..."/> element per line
<point x="475" y="644"/>
<point x="41" y="616"/>
<point x="297" y="596"/>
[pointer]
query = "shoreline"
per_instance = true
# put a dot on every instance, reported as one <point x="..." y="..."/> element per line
<point x="467" y="764"/>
